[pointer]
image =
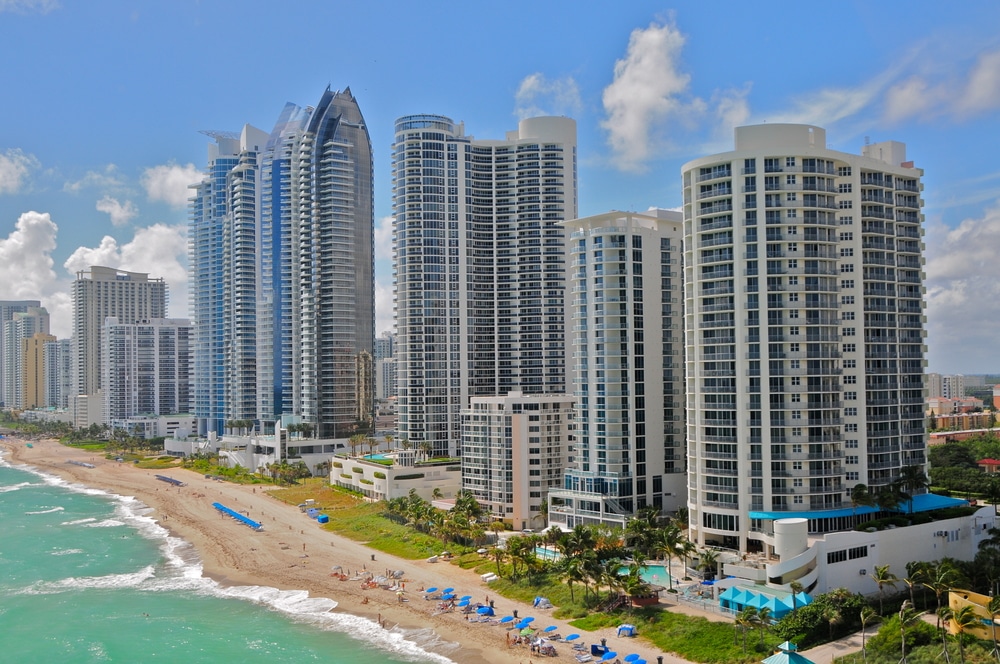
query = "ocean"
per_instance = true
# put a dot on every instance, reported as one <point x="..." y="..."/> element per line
<point x="86" y="576"/>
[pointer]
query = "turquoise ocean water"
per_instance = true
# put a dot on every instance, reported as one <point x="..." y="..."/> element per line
<point x="88" y="577"/>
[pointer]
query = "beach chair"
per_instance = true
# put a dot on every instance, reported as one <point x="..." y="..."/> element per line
<point x="584" y="658"/>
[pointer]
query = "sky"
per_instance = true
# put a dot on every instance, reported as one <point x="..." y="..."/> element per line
<point x="103" y="103"/>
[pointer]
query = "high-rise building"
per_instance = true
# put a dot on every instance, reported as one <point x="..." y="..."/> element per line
<point x="100" y="293"/>
<point x="7" y="310"/>
<point x="514" y="449"/>
<point x="33" y="378"/>
<point x="282" y="263"/>
<point x="21" y="326"/>
<point x="224" y="284"/>
<point x="479" y="267"/>
<point x="625" y="350"/>
<point x="804" y="331"/>
<point x="58" y="373"/>
<point x="953" y="387"/>
<point x="333" y="250"/>
<point x="147" y="368"/>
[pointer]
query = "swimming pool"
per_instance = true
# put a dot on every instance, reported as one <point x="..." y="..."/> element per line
<point x="547" y="554"/>
<point x="380" y="457"/>
<point x="655" y="574"/>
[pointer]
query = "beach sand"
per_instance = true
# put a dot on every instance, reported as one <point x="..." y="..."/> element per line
<point x="294" y="553"/>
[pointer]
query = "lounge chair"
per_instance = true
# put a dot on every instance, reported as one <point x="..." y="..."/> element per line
<point x="584" y="658"/>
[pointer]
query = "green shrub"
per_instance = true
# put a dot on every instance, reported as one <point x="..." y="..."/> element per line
<point x="337" y="464"/>
<point x="365" y="480"/>
<point x="379" y="475"/>
<point x="346" y="476"/>
<point x="358" y="469"/>
<point x="809" y="625"/>
<point x="886" y="644"/>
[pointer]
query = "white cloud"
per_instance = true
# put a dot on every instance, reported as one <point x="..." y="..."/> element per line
<point x="26" y="269"/>
<point x="120" y="213"/>
<point x="15" y="166"/>
<point x="384" y="318"/>
<point x="538" y="95"/>
<point x="644" y="92"/>
<point x="28" y="6"/>
<point x="648" y="104"/>
<point x="159" y="250"/>
<point x="169" y="183"/>
<point x="982" y="92"/>
<point x="963" y="293"/>
<point x="383" y="238"/>
<point x="107" y="179"/>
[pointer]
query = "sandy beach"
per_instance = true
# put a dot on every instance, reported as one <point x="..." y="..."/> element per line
<point x="293" y="553"/>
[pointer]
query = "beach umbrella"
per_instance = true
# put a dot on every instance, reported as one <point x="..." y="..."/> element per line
<point x="521" y="625"/>
<point x="550" y="628"/>
<point x="464" y="602"/>
<point x="507" y="619"/>
<point x="639" y="661"/>
<point x="485" y="611"/>
<point x="609" y="656"/>
<point x="448" y="590"/>
<point x="572" y="637"/>
<point x="631" y="658"/>
<point x="528" y="619"/>
<point x="527" y="631"/>
<point x="431" y="590"/>
<point x="465" y="597"/>
<point x="448" y="596"/>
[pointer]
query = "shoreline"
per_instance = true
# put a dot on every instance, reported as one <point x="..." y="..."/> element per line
<point x="293" y="553"/>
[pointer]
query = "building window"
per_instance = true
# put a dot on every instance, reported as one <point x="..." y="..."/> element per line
<point x="843" y="171"/>
<point x="847" y="315"/>
<point x="850" y="412"/>
<point x="848" y="332"/>
<point x="850" y="396"/>
<point x="789" y="163"/>
<point x="847" y="299"/>
<point x="847" y="221"/>
<point x="850" y="380"/>
<point x="846" y="237"/>
<point x="846" y="252"/>
<point x="849" y="348"/>
<point x="846" y="205"/>
<point x="844" y="188"/>
<point x="847" y="267"/>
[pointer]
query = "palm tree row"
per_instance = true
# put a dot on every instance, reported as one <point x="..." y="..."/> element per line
<point x="464" y="521"/>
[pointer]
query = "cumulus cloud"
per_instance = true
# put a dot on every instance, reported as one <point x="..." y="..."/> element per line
<point x="982" y="91"/>
<point x="159" y="250"/>
<point x="120" y="213"/>
<point x="107" y="179"/>
<point x="28" y="6"/>
<point x="26" y="269"/>
<point x="538" y="95"/>
<point x="15" y="167"/>
<point x="648" y="105"/>
<point x="384" y="317"/>
<point x="383" y="238"/>
<point x="169" y="183"/>
<point x="963" y="292"/>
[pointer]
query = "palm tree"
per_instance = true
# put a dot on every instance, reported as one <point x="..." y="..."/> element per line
<point x="571" y="571"/>
<point x="354" y="441"/>
<point x="940" y="578"/>
<point x="994" y="610"/>
<point x="667" y="544"/>
<point x="963" y="619"/>
<point x="796" y="588"/>
<point x="746" y="620"/>
<point x="907" y="616"/>
<point x="763" y="622"/>
<point x="707" y="561"/>
<point x="832" y="615"/>
<point x="883" y="577"/>
<point x="912" y="479"/>
<point x="868" y="615"/>
<point x="860" y="497"/>
<point x="889" y="497"/>
<point x="944" y="614"/>
<point x="425" y="447"/>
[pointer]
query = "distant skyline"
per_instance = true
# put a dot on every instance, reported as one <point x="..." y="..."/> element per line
<point x="99" y="135"/>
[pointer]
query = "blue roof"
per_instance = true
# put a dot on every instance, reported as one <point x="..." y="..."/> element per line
<point x="921" y="503"/>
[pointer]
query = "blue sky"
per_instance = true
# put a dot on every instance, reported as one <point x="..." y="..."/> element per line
<point x="103" y="102"/>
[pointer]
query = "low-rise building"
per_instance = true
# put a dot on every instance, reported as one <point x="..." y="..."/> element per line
<point x="394" y="474"/>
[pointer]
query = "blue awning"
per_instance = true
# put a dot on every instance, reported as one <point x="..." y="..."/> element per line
<point x="922" y="503"/>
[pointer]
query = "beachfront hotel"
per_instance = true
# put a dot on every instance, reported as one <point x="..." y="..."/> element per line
<point x="20" y="327"/>
<point x="7" y="310"/>
<point x="804" y="331"/>
<point x="479" y="267"/>
<point x="514" y="450"/>
<point x="625" y="355"/>
<point x="282" y="272"/>
<point x="100" y="293"/>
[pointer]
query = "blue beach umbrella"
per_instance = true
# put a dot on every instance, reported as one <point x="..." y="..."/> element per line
<point x="550" y="628"/>
<point x="464" y="602"/>
<point x="609" y="656"/>
<point x="631" y="658"/>
<point x="448" y="590"/>
<point x="528" y="619"/>
<point x="572" y="637"/>
<point x="431" y="590"/>
<point x="507" y="619"/>
<point x="521" y="625"/>
<point x="464" y="597"/>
